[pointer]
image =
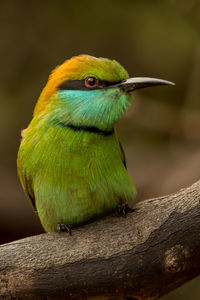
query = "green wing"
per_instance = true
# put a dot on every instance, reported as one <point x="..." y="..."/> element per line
<point x="26" y="183"/>
<point x="123" y="154"/>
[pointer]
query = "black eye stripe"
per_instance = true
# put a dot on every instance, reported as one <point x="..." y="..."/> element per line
<point x="80" y="85"/>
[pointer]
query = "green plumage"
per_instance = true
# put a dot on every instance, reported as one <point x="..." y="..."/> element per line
<point x="73" y="177"/>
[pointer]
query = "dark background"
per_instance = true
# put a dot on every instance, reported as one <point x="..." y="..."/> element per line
<point x="160" y="133"/>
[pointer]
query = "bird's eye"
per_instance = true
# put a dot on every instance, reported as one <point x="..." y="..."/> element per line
<point x="91" y="82"/>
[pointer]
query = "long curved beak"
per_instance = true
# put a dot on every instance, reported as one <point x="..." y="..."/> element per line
<point x="136" y="83"/>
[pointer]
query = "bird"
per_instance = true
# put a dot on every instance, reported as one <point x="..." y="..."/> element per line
<point x="70" y="162"/>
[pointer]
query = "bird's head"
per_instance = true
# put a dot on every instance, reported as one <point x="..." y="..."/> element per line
<point x="90" y="91"/>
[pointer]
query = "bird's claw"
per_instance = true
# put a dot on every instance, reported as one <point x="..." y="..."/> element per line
<point x="64" y="227"/>
<point x="123" y="209"/>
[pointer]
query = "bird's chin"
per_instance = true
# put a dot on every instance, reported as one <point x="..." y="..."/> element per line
<point x="113" y="111"/>
<point x="100" y="108"/>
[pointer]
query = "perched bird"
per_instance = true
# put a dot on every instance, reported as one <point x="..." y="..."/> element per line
<point x="70" y="161"/>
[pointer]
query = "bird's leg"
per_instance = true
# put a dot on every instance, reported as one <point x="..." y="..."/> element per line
<point x="123" y="209"/>
<point x="64" y="227"/>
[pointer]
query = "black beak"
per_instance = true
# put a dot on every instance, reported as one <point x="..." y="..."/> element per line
<point x="136" y="83"/>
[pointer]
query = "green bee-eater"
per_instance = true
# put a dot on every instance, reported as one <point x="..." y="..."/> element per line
<point x="70" y="162"/>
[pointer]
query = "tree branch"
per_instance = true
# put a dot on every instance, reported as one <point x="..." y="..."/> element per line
<point x="152" y="251"/>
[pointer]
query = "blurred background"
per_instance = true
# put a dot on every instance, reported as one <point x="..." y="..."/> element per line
<point x="160" y="133"/>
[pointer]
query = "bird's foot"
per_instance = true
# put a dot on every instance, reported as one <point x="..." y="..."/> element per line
<point x="64" y="227"/>
<point x="123" y="209"/>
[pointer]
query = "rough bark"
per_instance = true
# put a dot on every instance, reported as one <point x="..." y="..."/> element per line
<point x="152" y="251"/>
